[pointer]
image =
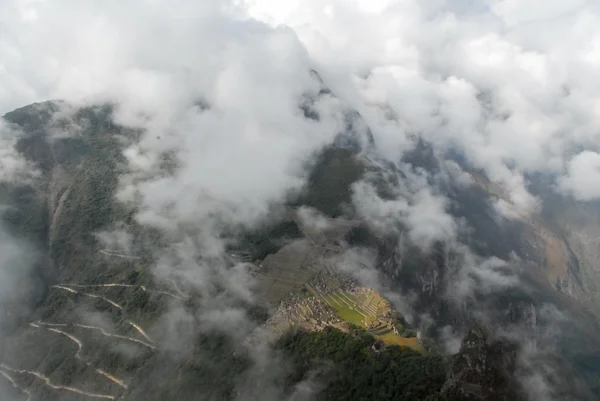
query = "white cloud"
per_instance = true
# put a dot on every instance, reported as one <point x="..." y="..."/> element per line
<point x="583" y="176"/>
<point x="511" y="85"/>
<point x="454" y="173"/>
<point x="480" y="276"/>
<point x="515" y="12"/>
<point x="13" y="166"/>
<point x="311" y="219"/>
<point x="506" y="209"/>
<point x="217" y="93"/>
<point x="18" y="287"/>
<point x="428" y="220"/>
<point x="421" y="212"/>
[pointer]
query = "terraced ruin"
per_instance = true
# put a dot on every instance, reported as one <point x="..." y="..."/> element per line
<point x="304" y="281"/>
<point x="317" y="307"/>
<point x="300" y="278"/>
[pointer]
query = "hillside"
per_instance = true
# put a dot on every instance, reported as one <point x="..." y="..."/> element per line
<point x="110" y="307"/>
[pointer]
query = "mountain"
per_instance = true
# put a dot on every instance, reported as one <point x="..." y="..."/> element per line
<point x="84" y="319"/>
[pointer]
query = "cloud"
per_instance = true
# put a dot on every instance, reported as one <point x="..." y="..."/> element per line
<point x="454" y="174"/>
<point x="18" y="256"/>
<point x="581" y="178"/>
<point x="20" y="284"/>
<point x="14" y="168"/>
<point x="508" y="87"/>
<point x="421" y="212"/>
<point x="312" y="219"/>
<point x="490" y="79"/>
<point x="217" y="98"/>
<point x="17" y="288"/>
<point x="511" y="86"/>
<point x="477" y="276"/>
<point x="427" y="219"/>
<point x="478" y="79"/>
<point x="118" y="240"/>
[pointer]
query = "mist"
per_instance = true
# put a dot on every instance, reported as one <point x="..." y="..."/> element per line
<point x="216" y="91"/>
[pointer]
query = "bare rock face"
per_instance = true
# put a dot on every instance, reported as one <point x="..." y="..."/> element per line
<point x="483" y="370"/>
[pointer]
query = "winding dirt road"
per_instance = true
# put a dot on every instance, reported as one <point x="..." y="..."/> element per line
<point x="15" y="385"/>
<point x="53" y="386"/>
<point x="78" y="354"/>
<point x="115" y="285"/>
<point x="64" y="288"/>
<point x="107" y="334"/>
<point x="118" y="255"/>
<point x="58" y="328"/>
<point x="139" y="330"/>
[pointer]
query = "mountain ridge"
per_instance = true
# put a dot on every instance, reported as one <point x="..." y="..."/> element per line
<point x="76" y="201"/>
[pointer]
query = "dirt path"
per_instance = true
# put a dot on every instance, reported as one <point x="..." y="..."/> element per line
<point x="115" y="285"/>
<point x="103" y="332"/>
<point x="64" y="288"/>
<point x="15" y="385"/>
<point x="118" y="255"/>
<point x="53" y="386"/>
<point x="78" y="354"/>
<point x="181" y="293"/>
<point x="139" y="330"/>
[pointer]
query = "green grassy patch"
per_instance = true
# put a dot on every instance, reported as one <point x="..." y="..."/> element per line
<point x="347" y="312"/>
<point x="350" y="313"/>
<point x="393" y="339"/>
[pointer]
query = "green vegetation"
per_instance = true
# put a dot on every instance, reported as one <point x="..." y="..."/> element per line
<point x="361" y="236"/>
<point x="25" y="215"/>
<point x="402" y="326"/>
<point x="88" y="205"/>
<point x="349" y="310"/>
<point x="260" y="242"/>
<point x="90" y="164"/>
<point x="403" y="341"/>
<point x="329" y="184"/>
<point x="208" y="373"/>
<point x="305" y="293"/>
<point x="345" y="309"/>
<point x="349" y="315"/>
<point x="351" y="370"/>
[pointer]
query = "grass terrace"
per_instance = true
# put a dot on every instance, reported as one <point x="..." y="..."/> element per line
<point x="349" y="308"/>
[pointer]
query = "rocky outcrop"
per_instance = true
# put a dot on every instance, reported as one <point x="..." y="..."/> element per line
<point x="483" y="369"/>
